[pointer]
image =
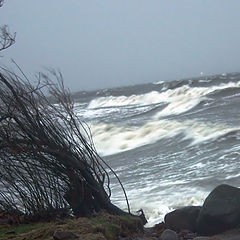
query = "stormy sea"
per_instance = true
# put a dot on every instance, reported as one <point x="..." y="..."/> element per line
<point x="169" y="142"/>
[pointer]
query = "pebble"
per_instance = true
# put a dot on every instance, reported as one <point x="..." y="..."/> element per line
<point x="169" y="235"/>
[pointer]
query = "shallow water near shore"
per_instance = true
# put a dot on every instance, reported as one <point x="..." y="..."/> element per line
<point x="170" y="143"/>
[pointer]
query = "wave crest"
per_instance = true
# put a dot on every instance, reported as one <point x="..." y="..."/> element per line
<point x="179" y="100"/>
<point x="111" y="139"/>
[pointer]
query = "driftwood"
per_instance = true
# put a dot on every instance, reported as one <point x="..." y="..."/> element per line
<point x="48" y="163"/>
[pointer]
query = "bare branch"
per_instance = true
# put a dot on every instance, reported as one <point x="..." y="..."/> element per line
<point x="47" y="157"/>
<point x="6" y="38"/>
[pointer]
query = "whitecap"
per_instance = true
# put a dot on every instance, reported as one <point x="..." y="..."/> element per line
<point x="161" y="203"/>
<point x="179" y="100"/>
<point x="112" y="138"/>
<point x="185" y="98"/>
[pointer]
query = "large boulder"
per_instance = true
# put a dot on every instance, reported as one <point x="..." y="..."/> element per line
<point x="183" y="218"/>
<point x="220" y="211"/>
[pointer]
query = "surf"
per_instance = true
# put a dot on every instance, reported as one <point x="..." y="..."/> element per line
<point x="179" y="100"/>
<point x="111" y="139"/>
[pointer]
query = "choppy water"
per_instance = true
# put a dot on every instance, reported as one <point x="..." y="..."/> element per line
<point x="169" y="142"/>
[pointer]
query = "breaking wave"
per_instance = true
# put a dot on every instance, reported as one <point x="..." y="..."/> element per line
<point x="173" y="161"/>
<point x="112" y="101"/>
<point x="111" y="139"/>
<point x="179" y="100"/>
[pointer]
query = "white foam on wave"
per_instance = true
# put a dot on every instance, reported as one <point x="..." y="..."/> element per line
<point x="161" y="202"/>
<point x="111" y="139"/>
<point x="96" y="113"/>
<point x="179" y="100"/>
<point x="204" y="80"/>
<point x="112" y="101"/>
<point x="185" y="98"/>
<point x="158" y="82"/>
<point x="113" y="113"/>
<point x="156" y="210"/>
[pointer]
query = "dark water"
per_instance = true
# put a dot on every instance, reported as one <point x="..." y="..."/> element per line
<point x="170" y="142"/>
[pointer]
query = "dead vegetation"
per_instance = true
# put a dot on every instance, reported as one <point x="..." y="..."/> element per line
<point x="48" y="164"/>
<point x="103" y="226"/>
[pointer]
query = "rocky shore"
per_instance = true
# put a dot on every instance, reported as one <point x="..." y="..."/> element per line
<point x="217" y="219"/>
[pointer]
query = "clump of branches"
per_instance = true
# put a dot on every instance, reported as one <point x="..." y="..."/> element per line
<point x="48" y="163"/>
<point x="6" y="38"/>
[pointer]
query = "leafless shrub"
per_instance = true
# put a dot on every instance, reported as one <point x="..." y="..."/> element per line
<point x="48" y="163"/>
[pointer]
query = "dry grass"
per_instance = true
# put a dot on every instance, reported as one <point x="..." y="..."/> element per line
<point x="101" y="227"/>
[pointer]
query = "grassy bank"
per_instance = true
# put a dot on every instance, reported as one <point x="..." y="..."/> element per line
<point x="101" y="227"/>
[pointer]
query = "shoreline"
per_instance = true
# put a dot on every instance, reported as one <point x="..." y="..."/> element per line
<point x="217" y="219"/>
<point x="103" y="227"/>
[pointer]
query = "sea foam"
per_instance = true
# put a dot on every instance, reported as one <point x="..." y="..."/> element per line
<point x="179" y="100"/>
<point x="112" y="138"/>
<point x="160" y="204"/>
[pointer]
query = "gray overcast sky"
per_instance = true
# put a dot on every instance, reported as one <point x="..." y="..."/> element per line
<point x="105" y="43"/>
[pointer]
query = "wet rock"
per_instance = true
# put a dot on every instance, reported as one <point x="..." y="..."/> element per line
<point x="220" y="211"/>
<point x="168" y="235"/>
<point x="64" y="235"/>
<point x="183" y="218"/>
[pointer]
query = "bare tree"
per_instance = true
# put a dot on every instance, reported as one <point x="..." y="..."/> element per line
<point x="48" y="161"/>
<point x="6" y="38"/>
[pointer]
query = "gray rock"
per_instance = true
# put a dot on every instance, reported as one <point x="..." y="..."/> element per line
<point x="183" y="218"/>
<point x="220" y="211"/>
<point x="168" y="235"/>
